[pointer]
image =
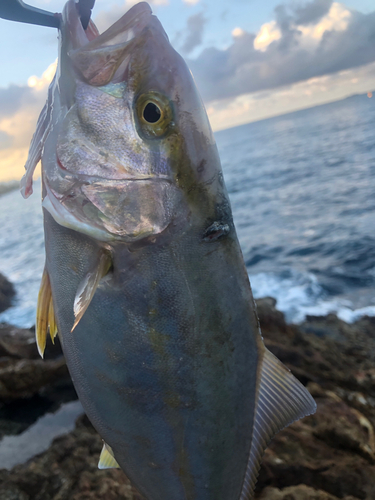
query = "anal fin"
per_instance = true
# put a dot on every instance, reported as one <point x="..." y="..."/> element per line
<point x="45" y="315"/>
<point x="281" y="400"/>
<point x="107" y="460"/>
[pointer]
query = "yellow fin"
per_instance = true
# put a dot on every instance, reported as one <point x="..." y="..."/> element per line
<point x="107" y="460"/>
<point x="45" y="316"/>
<point x="52" y="321"/>
<point x="88" y="286"/>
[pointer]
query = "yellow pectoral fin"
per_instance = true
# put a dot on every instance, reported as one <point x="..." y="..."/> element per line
<point x="107" y="460"/>
<point x="45" y="316"/>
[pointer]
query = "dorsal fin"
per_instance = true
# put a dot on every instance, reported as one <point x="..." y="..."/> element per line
<point x="281" y="400"/>
<point x="45" y="315"/>
<point x="107" y="460"/>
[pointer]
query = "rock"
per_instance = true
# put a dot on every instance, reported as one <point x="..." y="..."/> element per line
<point x="20" y="343"/>
<point x="300" y="492"/>
<point x="332" y="452"/>
<point x="22" y="372"/>
<point x="29" y="386"/>
<point x="270" y="318"/>
<point x="68" y="471"/>
<point x="17" y="343"/>
<point x="24" y="378"/>
<point x="327" y="456"/>
<point x="7" y="293"/>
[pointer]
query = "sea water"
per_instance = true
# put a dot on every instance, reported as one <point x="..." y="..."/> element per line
<point x="302" y="188"/>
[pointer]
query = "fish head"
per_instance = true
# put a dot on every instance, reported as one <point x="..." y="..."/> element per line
<point x="130" y="149"/>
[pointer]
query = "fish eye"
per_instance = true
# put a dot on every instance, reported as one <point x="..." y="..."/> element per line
<point x="154" y="115"/>
<point x="151" y="113"/>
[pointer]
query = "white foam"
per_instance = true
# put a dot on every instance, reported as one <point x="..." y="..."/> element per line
<point x="299" y="295"/>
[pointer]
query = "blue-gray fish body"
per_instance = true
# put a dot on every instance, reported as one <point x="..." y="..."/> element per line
<point x="150" y="294"/>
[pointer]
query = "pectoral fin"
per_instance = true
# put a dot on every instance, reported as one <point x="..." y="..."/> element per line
<point x="88" y="286"/>
<point x="281" y="400"/>
<point x="107" y="460"/>
<point x="45" y="315"/>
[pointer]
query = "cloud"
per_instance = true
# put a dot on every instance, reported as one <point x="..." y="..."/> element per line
<point x="312" y="12"/>
<point x="337" y="19"/>
<point x="130" y="3"/>
<point x="193" y="33"/>
<point x="268" y="33"/>
<point x="106" y="18"/>
<point x="237" y="32"/>
<point x="19" y="110"/>
<point x="246" y="108"/>
<point x="5" y="140"/>
<point x="12" y="98"/>
<point x="191" y="2"/>
<point x="43" y="82"/>
<point x="284" y="53"/>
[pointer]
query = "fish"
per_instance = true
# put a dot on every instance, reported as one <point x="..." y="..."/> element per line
<point x="144" y="280"/>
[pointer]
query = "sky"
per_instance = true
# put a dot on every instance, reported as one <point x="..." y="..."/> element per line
<point x="251" y="59"/>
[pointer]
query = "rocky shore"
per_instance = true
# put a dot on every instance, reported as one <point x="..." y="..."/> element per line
<point x="328" y="456"/>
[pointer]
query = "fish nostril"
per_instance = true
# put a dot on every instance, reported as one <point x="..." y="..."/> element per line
<point x="216" y="231"/>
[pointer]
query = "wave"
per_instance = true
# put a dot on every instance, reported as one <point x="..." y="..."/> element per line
<point x="299" y="295"/>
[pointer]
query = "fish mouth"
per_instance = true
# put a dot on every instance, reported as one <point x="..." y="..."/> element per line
<point x="123" y="30"/>
<point x="103" y="58"/>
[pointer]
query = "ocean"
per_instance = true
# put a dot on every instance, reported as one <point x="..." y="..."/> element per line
<point x="302" y="188"/>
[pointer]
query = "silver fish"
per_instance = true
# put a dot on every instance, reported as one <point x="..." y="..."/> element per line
<point x="144" y="277"/>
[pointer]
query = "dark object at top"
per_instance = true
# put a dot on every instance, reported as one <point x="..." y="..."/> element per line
<point x="17" y="10"/>
<point x="84" y="8"/>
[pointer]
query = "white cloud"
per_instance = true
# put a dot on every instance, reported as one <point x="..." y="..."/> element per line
<point x="247" y="108"/>
<point x="191" y="2"/>
<point x="106" y="18"/>
<point x="19" y="122"/>
<point x="337" y="19"/>
<point x="267" y="34"/>
<point x="43" y="82"/>
<point x="333" y="39"/>
<point x="237" y="32"/>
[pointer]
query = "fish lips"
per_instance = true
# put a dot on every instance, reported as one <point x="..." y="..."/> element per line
<point x="103" y="58"/>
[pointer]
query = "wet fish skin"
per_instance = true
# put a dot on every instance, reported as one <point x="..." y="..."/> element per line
<point x="167" y="360"/>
